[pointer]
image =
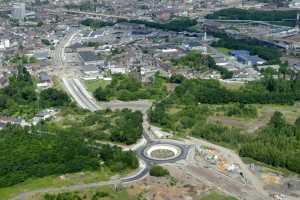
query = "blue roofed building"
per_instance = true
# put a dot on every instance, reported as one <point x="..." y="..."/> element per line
<point x="246" y="58"/>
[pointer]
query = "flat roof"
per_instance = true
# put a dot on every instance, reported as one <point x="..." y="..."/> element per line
<point x="88" y="56"/>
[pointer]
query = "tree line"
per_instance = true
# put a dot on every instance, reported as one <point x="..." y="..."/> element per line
<point x="266" y="91"/>
<point x="178" y="24"/>
<point x="284" y="16"/>
<point x="94" y="23"/>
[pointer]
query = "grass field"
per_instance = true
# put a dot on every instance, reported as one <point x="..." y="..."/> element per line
<point x="54" y="181"/>
<point x="291" y="113"/>
<point x="265" y="112"/>
<point x="217" y="196"/>
<point x="232" y="85"/>
<point x="224" y="51"/>
<point x="109" y="194"/>
<point x="92" y="85"/>
<point x="57" y="83"/>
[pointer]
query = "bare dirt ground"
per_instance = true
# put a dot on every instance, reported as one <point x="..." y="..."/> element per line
<point x="178" y="186"/>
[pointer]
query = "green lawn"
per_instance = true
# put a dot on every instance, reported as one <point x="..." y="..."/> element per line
<point x="217" y="196"/>
<point x="224" y="51"/>
<point x="232" y="85"/>
<point x="54" y="181"/>
<point x="57" y="83"/>
<point x="92" y="85"/>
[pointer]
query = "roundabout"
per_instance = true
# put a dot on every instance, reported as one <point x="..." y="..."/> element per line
<point x="162" y="152"/>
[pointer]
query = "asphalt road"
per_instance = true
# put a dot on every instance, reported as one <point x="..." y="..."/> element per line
<point x="80" y="95"/>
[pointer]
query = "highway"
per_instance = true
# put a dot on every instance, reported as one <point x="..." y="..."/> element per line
<point x="80" y="95"/>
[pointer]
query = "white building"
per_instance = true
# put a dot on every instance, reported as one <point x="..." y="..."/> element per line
<point x="4" y="44"/>
<point x="295" y="4"/>
<point x="19" y="11"/>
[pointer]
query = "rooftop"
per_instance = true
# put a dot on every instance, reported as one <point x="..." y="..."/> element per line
<point x="88" y="56"/>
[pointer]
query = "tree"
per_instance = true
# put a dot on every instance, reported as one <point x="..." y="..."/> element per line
<point x="284" y="69"/>
<point x="46" y="42"/>
<point x="297" y="122"/>
<point x="277" y="120"/>
<point x="101" y="94"/>
<point x="52" y="98"/>
<point x="3" y="102"/>
<point x="178" y="78"/>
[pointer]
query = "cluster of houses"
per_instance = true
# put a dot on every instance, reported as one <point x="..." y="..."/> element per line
<point x="40" y="116"/>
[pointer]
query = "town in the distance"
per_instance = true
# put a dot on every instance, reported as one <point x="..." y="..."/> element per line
<point x="149" y="99"/>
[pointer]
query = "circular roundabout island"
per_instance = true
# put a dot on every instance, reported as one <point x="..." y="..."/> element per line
<point x="162" y="152"/>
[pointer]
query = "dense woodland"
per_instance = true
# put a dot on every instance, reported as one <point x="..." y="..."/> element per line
<point x="284" y="16"/>
<point x="195" y="60"/>
<point x="28" y="154"/>
<point x="21" y="98"/>
<point x="128" y="87"/>
<point x="186" y="111"/>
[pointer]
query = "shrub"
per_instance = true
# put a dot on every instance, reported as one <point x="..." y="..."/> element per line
<point x="158" y="171"/>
